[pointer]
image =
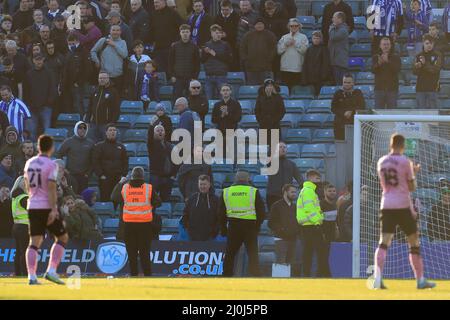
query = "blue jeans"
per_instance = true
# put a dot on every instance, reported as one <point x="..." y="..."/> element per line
<point x="427" y="100"/>
<point x="385" y="99"/>
<point x="39" y="120"/>
<point x="212" y="86"/>
<point x="257" y="78"/>
<point x="339" y="73"/>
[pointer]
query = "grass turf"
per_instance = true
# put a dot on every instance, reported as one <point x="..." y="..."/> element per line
<point x="218" y="288"/>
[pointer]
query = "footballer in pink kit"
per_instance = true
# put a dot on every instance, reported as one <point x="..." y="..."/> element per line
<point x="397" y="178"/>
<point x="40" y="174"/>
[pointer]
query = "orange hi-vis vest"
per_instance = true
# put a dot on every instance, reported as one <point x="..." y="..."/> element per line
<point x="137" y="203"/>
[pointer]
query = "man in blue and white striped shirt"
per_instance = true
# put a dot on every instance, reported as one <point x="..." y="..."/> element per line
<point x="15" y="109"/>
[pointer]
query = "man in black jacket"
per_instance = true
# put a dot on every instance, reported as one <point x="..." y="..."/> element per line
<point x="228" y="20"/>
<point x="139" y="21"/>
<point x="104" y="106"/>
<point x="200" y="213"/>
<point x="198" y="101"/>
<point x="199" y="22"/>
<point x="23" y="17"/>
<point x="283" y="223"/>
<point x="184" y="62"/>
<point x="288" y="6"/>
<point x="329" y="10"/>
<point x="110" y="161"/>
<point x="346" y="102"/>
<point x="20" y="64"/>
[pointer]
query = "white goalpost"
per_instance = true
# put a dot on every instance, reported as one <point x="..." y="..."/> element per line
<point x="427" y="143"/>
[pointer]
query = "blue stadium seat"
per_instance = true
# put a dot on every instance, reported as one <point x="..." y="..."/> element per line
<point x="353" y="38"/>
<point x="135" y="135"/>
<point x="229" y="180"/>
<point x="208" y="122"/>
<point x="319" y="106"/>
<point x="211" y="104"/>
<point x="152" y="105"/>
<point x="260" y="181"/>
<point x="131" y="149"/>
<point x="317" y="7"/>
<point x="360" y="50"/>
<point x="176" y="196"/>
<point x="403" y="37"/>
<point x="110" y="227"/>
<point x="323" y="135"/>
<point x="248" y="121"/>
<point x="141" y="150"/>
<point x="356" y="64"/>
<point x="165" y="92"/>
<point x="290" y="120"/>
<point x="328" y="121"/>
<point x="331" y="150"/>
<point x="68" y="121"/>
<point x="165" y="210"/>
<point x="247" y="106"/>
<point x="444" y="103"/>
<point x="250" y="168"/>
<point x="131" y="107"/>
<point x="407" y="92"/>
<point x="223" y="168"/>
<point x="327" y="92"/>
<point x="363" y="36"/>
<point x="356" y="9"/>
<point x="138" y="161"/>
<point x="162" y="78"/>
<point x="284" y="92"/>
<point x="368" y="64"/>
<point x="359" y="21"/>
<point x="406" y="104"/>
<point x="170" y="226"/>
<point x="367" y="90"/>
<point x="302" y="92"/>
<point x="248" y="92"/>
<point x="202" y="76"/>
<point x="178" y="210"/>
<point x="407" y="63"/>
<point x="218" y="178"/>
<point x="304" y="164"/>
<point x="104" y="208"/>
<point x="298" y="136"/>
<point x="265" y="230"/>
<point x="312" y="120"/>
<point x="293" y="150"/>
<point x="365" y="78"/>
<point x="125" y="122"/>
<point x="444" y="77"/>
<point x="175" y="120"/>
<point x="143" y="121"/>
<point x="59" y="135"/>
<point x="236" y="78"/>
<point x="317" y="150"/>
<point x="296" y="106"/>
<point x="308" y="22"/>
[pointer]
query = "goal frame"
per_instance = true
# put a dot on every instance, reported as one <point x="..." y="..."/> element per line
<point x="357" y="171"/>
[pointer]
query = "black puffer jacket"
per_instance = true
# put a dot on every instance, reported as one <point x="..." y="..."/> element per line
<point x="104" y="106"/>
<point x="199" y="104"/>
<point x="110" y="159"/>
<point x="269" y="110"/>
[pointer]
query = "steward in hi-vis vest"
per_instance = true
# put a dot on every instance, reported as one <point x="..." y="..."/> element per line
<point x="19" y="200"/>
<point x="241" y="213"/>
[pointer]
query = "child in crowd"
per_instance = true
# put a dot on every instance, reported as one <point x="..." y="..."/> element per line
<point x="150" y="86"/>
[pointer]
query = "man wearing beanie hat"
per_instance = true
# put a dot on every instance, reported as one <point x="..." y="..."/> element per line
<point x="139" y="201"/>
<point x="161" y="118"/>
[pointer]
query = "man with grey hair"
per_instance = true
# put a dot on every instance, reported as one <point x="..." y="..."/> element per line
<point x="20" y="64"/>
<point x="139" y="20"/>
<point x="198" y="101"/>
<point x="241" y="213"/>
<point x="187" y="116"/>
<point x="114" y="18"/>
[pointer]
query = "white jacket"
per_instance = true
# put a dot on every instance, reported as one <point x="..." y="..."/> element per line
<point x="292" y="57"/>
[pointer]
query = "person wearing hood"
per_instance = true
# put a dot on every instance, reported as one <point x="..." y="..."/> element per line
<point x="89" y="196"/>
<point x="241" y="213"/>
<point x="160" y="118"/>
<point x="135" y="70"/>
<point x="269" y="107"/>
<point x="200" y="213"/>
<point x="15" y="109"/>
<point x="78" y="150"/>
<point x="7" y="172"/>
<point x="12" y="147"/>
<point x="338" y="45"/>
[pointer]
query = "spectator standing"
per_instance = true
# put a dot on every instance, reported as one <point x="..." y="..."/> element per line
<point x="58" y="34"/>
<point x="6" y="220"/>
<point x="139" y="21"/>
<point x="247" y="20"/>
<point x="440" y="42"/>
<point x="187" y="117"/>
<point x="287" y="172"/>
<point x="78" y="151"/>
<point x="438" y="219"/>
<point x="15" y="109"/>
<point x="288" y="6"/>
<point x="91" y="34"/>
<point x="39" y="95"/>
<point x="6" y="25"/>
<point x="276" y="18"/>
<point x="115" y="19"/>
<point x="28" y="152"/>
<point x="330" y="230"/>
<point x="327" y="17"/>
<point x="31" y="33"/>
<point x="10" y="78"/>
<point x="12" y="146"/>
<point x="104" y="106"/>
<point x="161" y="118"/>
<point x="417" y="25"/>
<point x="338" y="46"/>
<point x="20" y="65"/>
<point x="135" y="70"/>
<point x="7" y="173"/>
<point x="110" y="162"/>
<point x="284" y="225"/>
<point x="228" y="19"/>
<point x="258" y="67"/>
<point x="198" y="101"/>
<point x="149" y="83"/>
<point x="200" y="212"/>
<point x="292" y="48"/>
<point x="199" y="22"/>
<point x="427" y="67"/>
<point x="184" y="61"/>
<point x="81" y="221"/>
<point x="316" y="66"/>
<point x="346" y="102"/>
<point x="23" y="17"/>
<point x="386" y="66"/>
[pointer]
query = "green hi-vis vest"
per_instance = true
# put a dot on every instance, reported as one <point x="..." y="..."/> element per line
<point x="308" y="206"/>
<point x="20" y="214"/>
<point x="240" y="202"/>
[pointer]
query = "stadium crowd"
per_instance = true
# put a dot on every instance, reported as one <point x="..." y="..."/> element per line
<point x="128" y="50"/>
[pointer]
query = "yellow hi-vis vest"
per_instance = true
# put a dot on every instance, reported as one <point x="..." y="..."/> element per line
<point x="19" y="213"/>
<point x="308" y="206"/>
<point x="240" y="202"/>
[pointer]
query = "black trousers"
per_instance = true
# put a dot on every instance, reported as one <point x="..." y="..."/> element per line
<point x="22" y="238"/>
<point x="106" y="187"/>
<point x="138" y="239"/>
<point x="82" y="183"/>
<point x="242" y="232"/>
<point x="287" y="251"/>
<point x="313" y="242"/>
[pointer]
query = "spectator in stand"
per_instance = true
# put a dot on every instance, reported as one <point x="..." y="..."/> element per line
<point x="292" y="48"/>
<point x="445" y="20"/>
<point x="200" y="216"/>
<point x="31" y="33"/>
<point x="78" y="151"/>
<point x="258" y="67"/>
<point x="65" y="182"/>
<point x="164" y="30"/>
<point x="27" y="153"/>
<point x="110" y="161"/>
<point x="288" y="6"/>
<point x="269" y="108"/>
<point x="198" y="101"/>
<point x="12" y="146"/>
<point x="149" y="83"/>
<point x="6" y="25"/>
<point x="54" y="61"/>
<point x="115" y="19"/>
<point x="39" y="95"/>
<point x="247" y="20"/>
<point x="161" y="118"/>
<point x="425" y="6"/>
<point x="184" y="61"/>
<point x="189" y="173"/>
<point x="16" y="111"/>
<point x="59" y="34"/>
<point x="35" y="49"/>
<point x="390" y="25"/>
<point x="199" y="22"/>
<point x="81" y="221"/>
<point x="346" y="102"/>
<point x="386" y="66"/>
<point x="417" y="25"/>
<point x="89" y="35"/>
<point x="330" y="229"/>
<point x="327" y="17"/>
<point x="217" y="57"/>
<point x="286" y="173"/>
<point x="275" y="18"/>
<point x="135" y="71"/>
<point x="427" y="67"/>
<point x="89" y="196"/>
<point x="139" y="21"/>
<point x="6" y="220"/>
<point x="108" y="55"/>
<point x="187" y="117"/>
<point x="10" y="78"/>
<point x="20" y="65"/>
<point x="161" y="166"/>
<point x="19" y="202"/>
<point x="52" y="9"/>
<point x="338" y="46"/>
<point x="23" y="17"/>
<point x="284" y="225"/>
<point x="440" y="42"/>
<point x="316" y="66"/>
<point x="228" y="19"/>
<point x="438" y="218"/>
<point x="104" y="106"/>
<point x="44" y="35"/>
<point x="7" y="173"/>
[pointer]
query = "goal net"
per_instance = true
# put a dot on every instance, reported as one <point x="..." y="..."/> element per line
<point x="427" y="143"/>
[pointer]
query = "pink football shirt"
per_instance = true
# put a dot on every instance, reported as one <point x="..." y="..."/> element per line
<point x="39" y="170"/>
<point x="394" y="172"/>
